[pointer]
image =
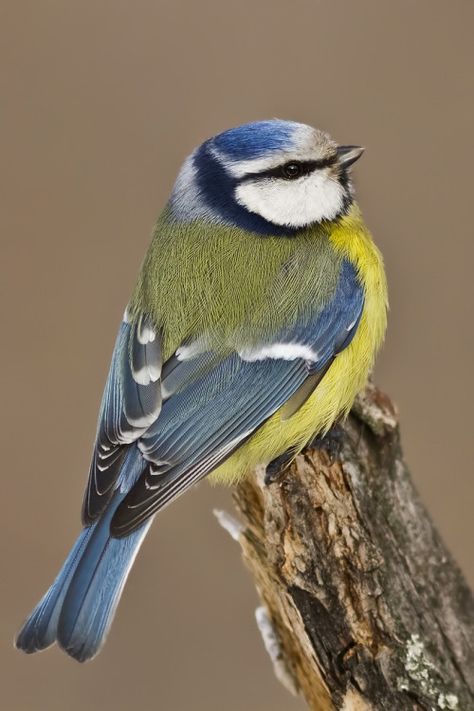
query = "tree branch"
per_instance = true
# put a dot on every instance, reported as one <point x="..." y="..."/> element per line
<point x="363" y="606"/>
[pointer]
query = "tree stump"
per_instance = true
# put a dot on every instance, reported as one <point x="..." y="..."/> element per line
<point x="362" y="605"/>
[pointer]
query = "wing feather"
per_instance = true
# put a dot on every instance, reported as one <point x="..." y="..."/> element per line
<point x="131" y="403"/>
<point x="212" y="408"/>
<point x="193" y="412"/>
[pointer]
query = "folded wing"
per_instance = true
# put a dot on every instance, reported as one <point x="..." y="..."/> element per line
<point x="212" y="404"/>
<point x="130" y="404"/>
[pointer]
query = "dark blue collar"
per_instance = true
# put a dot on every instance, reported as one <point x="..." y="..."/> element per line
<point x="217" y="189"/>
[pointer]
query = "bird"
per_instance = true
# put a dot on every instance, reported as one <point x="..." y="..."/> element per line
<point x="255" y="321"/>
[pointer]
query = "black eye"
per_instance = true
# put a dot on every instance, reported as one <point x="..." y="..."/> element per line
<point x="292" y="170"/>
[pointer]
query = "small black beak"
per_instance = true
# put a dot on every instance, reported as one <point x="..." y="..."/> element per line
<point x="348" y="155"/>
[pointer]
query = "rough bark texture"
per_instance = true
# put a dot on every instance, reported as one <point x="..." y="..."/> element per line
<point x="363" y="606"/>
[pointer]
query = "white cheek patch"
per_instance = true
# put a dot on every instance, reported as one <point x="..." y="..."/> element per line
<point x="294" y="203"/>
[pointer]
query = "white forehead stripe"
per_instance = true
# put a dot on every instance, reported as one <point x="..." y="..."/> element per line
<point x="306" y="143"/>
<point x="242" y="167"/>
<point x="279" y="351"/>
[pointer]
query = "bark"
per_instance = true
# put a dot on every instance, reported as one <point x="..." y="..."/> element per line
<point x="362" y="605"/>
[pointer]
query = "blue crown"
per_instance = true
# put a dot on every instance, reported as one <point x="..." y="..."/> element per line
<point x="253" y="140"/>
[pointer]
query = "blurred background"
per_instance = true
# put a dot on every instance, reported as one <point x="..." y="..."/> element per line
<point x="101" y="102"/>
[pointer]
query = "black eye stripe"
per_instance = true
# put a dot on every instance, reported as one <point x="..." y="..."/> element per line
<point x="306" y="167"/>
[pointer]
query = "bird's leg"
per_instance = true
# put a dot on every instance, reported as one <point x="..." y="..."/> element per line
<point x="331" y="442"/>
<point x="278" y="467"/>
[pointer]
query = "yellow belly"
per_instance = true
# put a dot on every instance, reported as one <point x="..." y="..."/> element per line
<point x="347" y="375"/>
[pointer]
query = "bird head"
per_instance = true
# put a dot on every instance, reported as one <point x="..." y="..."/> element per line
<point x="270" y="177"/>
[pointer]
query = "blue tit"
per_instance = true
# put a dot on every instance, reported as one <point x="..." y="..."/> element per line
<point x="255" y="320"/>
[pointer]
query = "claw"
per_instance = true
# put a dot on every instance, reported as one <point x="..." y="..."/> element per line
<point x="331" y="443"/>
<point x="277" y="468"/>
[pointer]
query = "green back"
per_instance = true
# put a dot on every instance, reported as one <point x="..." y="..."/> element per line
<point x="232" y="285"/>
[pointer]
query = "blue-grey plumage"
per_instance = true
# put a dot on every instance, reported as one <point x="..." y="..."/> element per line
<point x="213" y="410"/>
<point x="256" y="318"/>
<point x="79" y="607"/>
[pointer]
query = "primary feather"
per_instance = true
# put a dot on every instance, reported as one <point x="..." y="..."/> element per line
<point x="256" y="318"/>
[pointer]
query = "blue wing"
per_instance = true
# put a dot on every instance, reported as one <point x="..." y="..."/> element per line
<point x="131" y="403"/>
<point x="211" y="405"/>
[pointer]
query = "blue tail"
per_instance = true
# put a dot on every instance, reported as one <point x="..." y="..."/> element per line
<point x="79" y="607"/>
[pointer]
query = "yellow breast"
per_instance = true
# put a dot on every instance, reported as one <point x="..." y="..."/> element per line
<point x="347" y="375"/>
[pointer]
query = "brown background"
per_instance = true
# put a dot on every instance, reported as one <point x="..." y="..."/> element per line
<point x="101" y="101"/>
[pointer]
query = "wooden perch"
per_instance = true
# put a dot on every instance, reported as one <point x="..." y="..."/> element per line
<point x="362" y="605"/>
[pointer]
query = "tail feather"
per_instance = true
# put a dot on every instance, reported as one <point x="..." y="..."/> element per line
<point x="94" y="592"/>
<point x="79" y="607"/>
<point x="39" y="630"/>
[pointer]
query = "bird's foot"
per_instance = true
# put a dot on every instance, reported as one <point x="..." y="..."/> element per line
<point x="278" y="467"/>
<point x="332" y="443"/>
